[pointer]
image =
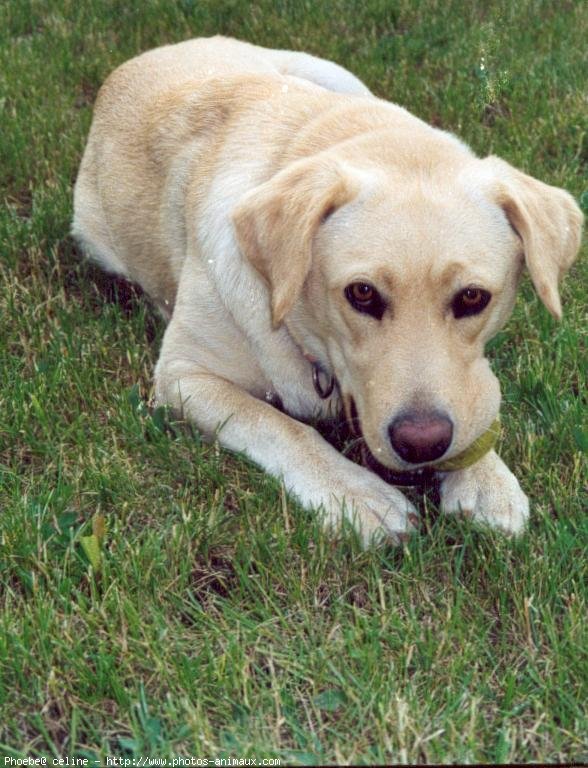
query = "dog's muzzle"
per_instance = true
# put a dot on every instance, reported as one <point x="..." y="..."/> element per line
<point x="324" y="384"/>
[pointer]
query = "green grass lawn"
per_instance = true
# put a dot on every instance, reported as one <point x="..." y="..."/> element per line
<point x="223" y="622"/>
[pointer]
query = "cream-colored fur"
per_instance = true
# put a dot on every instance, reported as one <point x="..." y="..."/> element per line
<point x="244" y="189"/>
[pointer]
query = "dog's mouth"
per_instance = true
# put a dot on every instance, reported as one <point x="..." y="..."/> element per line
<point x="420" y="476"/>
<point x="484" y="443"/>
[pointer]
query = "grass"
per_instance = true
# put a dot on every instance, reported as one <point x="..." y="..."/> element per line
<point x="223" y="622"/>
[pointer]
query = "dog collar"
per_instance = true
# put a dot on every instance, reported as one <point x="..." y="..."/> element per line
<point x="474" y="452"/>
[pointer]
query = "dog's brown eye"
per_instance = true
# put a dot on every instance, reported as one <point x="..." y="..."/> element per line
<point x="362" y="292"/>
<point x="364" y="298"/>
<point x="471" y="297"/>
<point x="470" y="301"/>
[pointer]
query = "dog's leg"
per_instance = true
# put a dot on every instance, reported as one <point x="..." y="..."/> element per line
<point x="319" y="476"/>
<point x="488" y="493"/>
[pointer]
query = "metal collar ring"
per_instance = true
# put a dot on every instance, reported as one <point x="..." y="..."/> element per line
<point x="323" y="391"/>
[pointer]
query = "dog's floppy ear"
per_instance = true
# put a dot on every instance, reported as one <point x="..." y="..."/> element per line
<point x="276" y="222"/>
<point x="548" y="222"/>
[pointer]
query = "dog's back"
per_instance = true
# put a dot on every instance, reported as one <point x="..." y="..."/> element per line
<point x="140" y="100"/>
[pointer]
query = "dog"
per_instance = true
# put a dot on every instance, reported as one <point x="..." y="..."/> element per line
<point x="311" y="243"/>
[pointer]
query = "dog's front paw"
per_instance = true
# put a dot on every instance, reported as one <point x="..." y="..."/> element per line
<point x="487" y="493"/>
<point x="377" y="511"/>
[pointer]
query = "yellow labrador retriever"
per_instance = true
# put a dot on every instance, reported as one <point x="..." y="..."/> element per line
<point x="309" y="241"/>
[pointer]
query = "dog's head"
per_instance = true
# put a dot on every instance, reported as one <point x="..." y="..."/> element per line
<point x="397" y="276"/>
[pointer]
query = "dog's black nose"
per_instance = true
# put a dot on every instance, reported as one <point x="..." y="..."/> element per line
<point x="419" y="436"/>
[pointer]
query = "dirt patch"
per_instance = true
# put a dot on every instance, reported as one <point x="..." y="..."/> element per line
<point x="213" y="577"/>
